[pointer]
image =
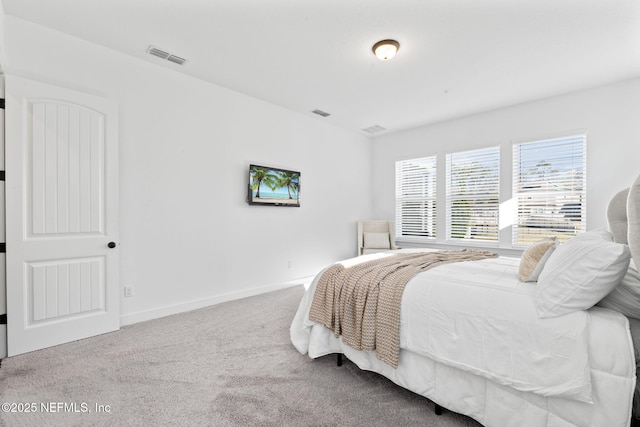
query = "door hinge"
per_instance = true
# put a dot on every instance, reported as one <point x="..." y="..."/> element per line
<point x="3" y="248"/>
<point x="3" y="319"/>
<point x="2" y="103"/>
<point x="1" y="175"/>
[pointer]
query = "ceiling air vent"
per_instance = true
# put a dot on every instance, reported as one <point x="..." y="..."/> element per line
<point x="321" y="113"/>
<point x="165" y="55"/>
<point x="374" y="129"/>
<point x="176" y="59"/>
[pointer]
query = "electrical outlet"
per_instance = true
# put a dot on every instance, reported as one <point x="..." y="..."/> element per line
<point x="128" y="291"/>
<point x="290" y="265"/>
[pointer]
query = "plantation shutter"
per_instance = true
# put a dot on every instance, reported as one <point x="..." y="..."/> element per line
<point x="416" y="197"/>
<point x="549" y="179"/>
<point x="473" y="189"/>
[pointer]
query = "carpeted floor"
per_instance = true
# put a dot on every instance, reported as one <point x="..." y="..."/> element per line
<point x="227" y="365"/>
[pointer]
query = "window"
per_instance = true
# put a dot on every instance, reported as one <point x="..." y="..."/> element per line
<point x="473" y="189"/>
<point x="549" y="188"/>
<point x="416" y="197"/>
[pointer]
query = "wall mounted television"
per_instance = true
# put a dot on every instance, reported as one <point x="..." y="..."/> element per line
<point x="271" y="186"/>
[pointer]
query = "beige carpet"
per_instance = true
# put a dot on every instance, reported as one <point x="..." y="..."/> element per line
<point x="227" y="365"/>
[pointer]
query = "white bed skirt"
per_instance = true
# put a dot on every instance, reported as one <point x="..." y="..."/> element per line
<point x="491" y="404"/>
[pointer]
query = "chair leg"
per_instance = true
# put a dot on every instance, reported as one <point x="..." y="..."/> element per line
<point x="438" y="409"/>
<point x="339" y="359"/>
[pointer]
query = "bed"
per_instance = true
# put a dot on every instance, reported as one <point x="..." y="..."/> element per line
<point x="475" y="339"/>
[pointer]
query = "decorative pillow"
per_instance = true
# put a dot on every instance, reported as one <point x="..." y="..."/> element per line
<point x="534" y="258"/>
<point x="377" y="240"/>
<point x="579" y="273"/>
<point x="625" y="298"/>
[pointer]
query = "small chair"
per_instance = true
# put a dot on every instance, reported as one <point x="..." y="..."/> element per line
<point x="375" y="236"/>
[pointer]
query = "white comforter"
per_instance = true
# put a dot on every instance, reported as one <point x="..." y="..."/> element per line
<point x="477" y="317"/>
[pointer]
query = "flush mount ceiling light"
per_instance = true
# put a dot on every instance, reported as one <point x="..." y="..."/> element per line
<point x="386" y="49"/>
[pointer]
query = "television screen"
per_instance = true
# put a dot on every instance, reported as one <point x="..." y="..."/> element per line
<point x="273" y="186"/>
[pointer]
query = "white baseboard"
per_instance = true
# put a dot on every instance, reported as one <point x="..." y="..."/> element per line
<point x="167" y="310"/>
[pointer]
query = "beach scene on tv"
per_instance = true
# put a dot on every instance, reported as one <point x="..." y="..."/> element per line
<point x="274" y="186"/>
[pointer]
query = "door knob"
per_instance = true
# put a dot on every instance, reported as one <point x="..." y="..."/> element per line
<point x="111" y="245"/>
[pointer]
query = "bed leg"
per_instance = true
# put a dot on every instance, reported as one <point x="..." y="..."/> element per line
<point x="339" y="359"/>
<point x="437" y="409"/>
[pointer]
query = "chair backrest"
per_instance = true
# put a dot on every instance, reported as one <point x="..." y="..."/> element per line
<point x="375" y="226"/>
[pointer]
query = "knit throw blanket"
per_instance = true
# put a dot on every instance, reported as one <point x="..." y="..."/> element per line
<point x="362" y="303"/>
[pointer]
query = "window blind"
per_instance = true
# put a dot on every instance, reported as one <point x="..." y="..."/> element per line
<point x="416" y="197"/>
<point x="549" y="179"/>
<point x="473" y="190"/>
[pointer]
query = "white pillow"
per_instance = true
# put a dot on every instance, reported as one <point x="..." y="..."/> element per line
<point x="579" y="273"/>
<point x="625" y="298"/>
<point x="376" y="240"/>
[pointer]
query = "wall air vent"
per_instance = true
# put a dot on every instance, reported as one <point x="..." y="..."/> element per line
<point x="165" y="55"/>
<point x="374" y="129"/>
<point x="321" y="113"/>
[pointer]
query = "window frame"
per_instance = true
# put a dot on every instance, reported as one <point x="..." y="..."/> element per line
<point x="488" y="190"/>
<point x="427" y="231"/>
<point x="545" y="199"/>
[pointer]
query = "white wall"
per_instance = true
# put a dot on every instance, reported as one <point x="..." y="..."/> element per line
<point x="1" y="36"/>
<point x="188" y="238"/>
<point x="610" y="116"/>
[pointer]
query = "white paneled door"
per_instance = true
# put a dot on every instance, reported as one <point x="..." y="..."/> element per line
<point x="62" y="215"/>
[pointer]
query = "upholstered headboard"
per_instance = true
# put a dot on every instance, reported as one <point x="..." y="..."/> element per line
<point x="623" y="215"/>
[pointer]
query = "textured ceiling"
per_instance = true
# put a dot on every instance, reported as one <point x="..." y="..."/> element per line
<point x="457" y="57"/>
